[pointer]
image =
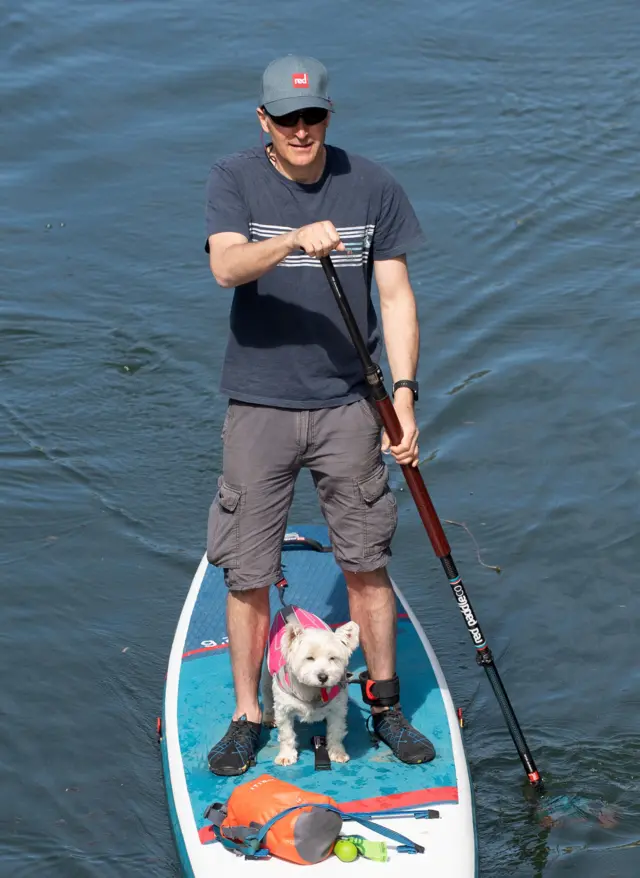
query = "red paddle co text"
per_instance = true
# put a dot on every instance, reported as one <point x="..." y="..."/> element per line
<point x="470" y="619"/>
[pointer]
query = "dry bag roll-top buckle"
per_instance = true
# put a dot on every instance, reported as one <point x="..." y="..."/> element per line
<point x="380" y="693"/>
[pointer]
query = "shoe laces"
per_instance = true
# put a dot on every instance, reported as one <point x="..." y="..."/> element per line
<point x="241" y="736"/>
<point x="396" y="728"/>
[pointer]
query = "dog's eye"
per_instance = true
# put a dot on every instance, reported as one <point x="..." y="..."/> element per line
<point x="333" y="659"/>
<point x="311" y="658"/>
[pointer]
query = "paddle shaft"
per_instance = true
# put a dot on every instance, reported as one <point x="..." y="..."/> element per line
<point x="432" y="525"/>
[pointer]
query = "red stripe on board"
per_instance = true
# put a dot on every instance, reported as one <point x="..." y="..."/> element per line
<point x="206" y="834"/>
<point x="226" y="645"/>
<point x="205" y="649"/>
<point x="441" y="795"/>
<point x="402" y="800"/>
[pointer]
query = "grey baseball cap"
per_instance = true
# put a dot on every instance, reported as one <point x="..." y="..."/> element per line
<point x="293" y="83"/>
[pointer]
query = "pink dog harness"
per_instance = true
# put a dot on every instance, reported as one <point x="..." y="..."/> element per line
<point x="275" y="659"/>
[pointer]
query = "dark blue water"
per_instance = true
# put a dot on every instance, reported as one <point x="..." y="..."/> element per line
<point x="514" y="129"/>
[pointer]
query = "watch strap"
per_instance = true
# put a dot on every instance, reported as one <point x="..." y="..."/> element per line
<point x="405" y="382"/>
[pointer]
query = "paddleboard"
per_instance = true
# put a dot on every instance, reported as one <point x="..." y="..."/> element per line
<point x="199" y="702"/>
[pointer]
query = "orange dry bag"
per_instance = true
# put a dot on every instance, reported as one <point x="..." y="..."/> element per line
<point x="267" y="816"/>
<point x="270" y="816"/>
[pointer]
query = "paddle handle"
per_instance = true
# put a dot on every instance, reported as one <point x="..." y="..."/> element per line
<point x="432" y="524"/>
<point x="414" y="480"/>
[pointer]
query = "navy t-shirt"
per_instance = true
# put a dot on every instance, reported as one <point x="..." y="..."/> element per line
<point x="288" y="345"/>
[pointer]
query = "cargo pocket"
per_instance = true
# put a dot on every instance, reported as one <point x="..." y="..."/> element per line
<point x="380" y="514"/>
<point x="223" y="539"/>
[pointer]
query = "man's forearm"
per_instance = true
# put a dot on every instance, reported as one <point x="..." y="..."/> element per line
<point x="243" y="263"/>
<point x="402" y="338"/>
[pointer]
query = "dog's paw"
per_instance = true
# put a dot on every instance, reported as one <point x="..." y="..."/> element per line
<point x="286" y="757"/>
<point x="268" y="720"/>
<point x="338" y="754"/>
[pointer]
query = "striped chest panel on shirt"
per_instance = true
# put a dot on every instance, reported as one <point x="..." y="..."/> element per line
<point x="357" y="240"/>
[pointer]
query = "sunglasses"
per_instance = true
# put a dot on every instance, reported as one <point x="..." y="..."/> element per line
<point x="310" y="116"/>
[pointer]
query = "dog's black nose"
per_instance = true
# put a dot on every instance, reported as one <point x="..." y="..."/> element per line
<point x="322" y="678"/>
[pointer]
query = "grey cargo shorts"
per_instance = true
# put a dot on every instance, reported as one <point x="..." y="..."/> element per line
<point x="264" y="450"/>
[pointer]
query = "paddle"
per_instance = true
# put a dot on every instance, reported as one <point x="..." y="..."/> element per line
<point x="431" y="522"/>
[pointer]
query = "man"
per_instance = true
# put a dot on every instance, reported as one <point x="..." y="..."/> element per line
<point x="297" y="396"/>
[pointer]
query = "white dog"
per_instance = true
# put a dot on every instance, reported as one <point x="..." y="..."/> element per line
<point x="311" y="685"/>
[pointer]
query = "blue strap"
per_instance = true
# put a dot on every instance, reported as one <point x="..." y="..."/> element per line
<point x="249" y="847"/>
<point x="267" y="826"/>
<point x="428" y="814"/>
<point x="406" y="845"/>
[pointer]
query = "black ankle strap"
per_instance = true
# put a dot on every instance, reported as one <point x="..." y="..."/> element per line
<point x="380" y="693"/>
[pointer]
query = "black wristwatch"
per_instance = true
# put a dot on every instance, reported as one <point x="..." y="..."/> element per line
<point x="412" y="385"/>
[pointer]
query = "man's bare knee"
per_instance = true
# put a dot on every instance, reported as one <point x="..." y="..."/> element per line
<point x="368" y="579"/>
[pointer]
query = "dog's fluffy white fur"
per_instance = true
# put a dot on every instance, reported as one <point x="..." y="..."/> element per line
<point x="314" y="659"/>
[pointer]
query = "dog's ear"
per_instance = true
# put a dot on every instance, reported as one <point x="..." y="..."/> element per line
<point x="349" y="634"/>
<point x="292" y="632"/>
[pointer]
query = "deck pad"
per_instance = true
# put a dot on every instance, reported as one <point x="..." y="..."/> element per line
<point x="201" y="702"/>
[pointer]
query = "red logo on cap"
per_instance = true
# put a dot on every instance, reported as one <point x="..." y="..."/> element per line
<point x="300" y="80"/>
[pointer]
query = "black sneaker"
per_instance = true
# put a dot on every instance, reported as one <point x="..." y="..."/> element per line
<point x="236" y="751"/>
<point x="405" y="742"/>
